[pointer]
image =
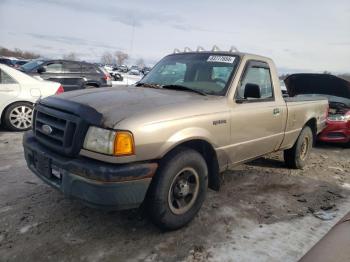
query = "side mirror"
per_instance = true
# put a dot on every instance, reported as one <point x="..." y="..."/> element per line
<point x="41" y="70"/>
<point x="252" y="91"/>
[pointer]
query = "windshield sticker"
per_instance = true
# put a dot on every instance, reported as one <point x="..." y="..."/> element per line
<point x="221" y="59"/>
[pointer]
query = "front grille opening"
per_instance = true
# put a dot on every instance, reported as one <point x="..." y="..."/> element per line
<point x="63" y="129"/>
<point x="48" y="138"/>
<point x="336" y="135"/>
<point x="51" y="120"/>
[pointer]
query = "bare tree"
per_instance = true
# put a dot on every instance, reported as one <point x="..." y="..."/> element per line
<point x="107" y="58"/>
<point x="70" y="56"/>
<point x="140" y="63"/>
<point x="121" y="57"/>
<point x="18" y="53"/>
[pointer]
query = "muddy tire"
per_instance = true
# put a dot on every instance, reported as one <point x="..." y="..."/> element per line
<point x="178" y="189"/>
<point x="18" y="116"/>
<point x="297" y="156"/>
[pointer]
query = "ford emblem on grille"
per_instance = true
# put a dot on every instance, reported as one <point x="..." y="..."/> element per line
<point x="46" y="129"/>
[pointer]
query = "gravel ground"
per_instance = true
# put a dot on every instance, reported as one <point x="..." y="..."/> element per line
<point x="264" y="212"/>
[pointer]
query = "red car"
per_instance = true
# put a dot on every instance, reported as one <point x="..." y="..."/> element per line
<point x="337" y="90"/>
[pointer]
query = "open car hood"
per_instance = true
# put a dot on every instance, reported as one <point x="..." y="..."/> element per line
<point x="322" y="84"/>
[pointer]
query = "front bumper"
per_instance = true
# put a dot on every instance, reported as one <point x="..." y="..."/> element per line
<point x="98" y="184"/>
<point x="336" y="132"/>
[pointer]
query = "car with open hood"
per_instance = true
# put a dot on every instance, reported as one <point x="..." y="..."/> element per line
<point x="337" y="91"/>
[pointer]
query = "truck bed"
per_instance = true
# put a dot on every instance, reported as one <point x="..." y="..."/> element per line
<point x="304" y="98"/>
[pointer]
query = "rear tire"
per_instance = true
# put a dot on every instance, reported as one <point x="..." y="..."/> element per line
<point x="178" y="190"/>
<point x="297" y="156"/>
<point x="18" y="116"/>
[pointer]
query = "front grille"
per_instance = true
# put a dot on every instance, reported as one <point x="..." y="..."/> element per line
<point x="66" y="130"/>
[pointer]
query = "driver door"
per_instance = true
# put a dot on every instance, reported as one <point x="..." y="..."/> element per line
<point x="257" y="121"/>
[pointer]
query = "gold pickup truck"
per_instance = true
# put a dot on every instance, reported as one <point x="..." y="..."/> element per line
<point x="164" y="141"/>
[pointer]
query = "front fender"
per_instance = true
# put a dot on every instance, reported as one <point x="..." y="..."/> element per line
<point x="186" y="135"/>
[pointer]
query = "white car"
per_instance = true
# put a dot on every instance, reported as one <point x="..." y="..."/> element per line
<point x="127" y="80"/>
<point x="18" y="93"/>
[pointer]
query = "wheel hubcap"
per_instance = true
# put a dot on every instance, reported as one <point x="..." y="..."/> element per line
<point x="21" y="117"/>
<point x="183" y="191"/>
<point x="304" y="148"/>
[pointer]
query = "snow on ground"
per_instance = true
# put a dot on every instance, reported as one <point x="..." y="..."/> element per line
<point x="281" y="241"/>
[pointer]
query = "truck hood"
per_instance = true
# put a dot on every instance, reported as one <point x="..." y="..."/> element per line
<point x="117" y="104"/>
<point x="322" y="84"/>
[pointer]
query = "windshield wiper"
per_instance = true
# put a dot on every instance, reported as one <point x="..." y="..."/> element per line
<point x="150" y="85"/>
<point x="185" y="88"/>
<point x="174" y="87"/>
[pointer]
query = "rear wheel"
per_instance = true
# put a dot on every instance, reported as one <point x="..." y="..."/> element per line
<point x="178" y="189"/>
<point x="297" y="156"/>
<point x="18" y="116"/>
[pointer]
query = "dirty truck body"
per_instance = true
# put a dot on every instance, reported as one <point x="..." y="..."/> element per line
<point x="164" y="141"/>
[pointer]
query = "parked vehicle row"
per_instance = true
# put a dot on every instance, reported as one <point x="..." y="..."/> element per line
<point x="166" y="140"/>
<point x="72" y="75"/>
<point x="18" y="93"/>
<point x="337" y="91"/>
<point x="13" y="62"/>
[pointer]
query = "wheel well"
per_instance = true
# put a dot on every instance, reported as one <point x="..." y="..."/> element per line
<point x="312" y="123"/>
<point x="3" y="111"/>
<point x="92" y="84"/>
<point x="210" y="157"/>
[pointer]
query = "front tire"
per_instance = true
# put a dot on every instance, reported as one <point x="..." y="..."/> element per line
<point x="18" y="116"/>
<point x="297" y="156"/>
<point x="178" y="190"/>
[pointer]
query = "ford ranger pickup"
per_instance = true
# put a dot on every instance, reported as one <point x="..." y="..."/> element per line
<point x="164" y="141"/>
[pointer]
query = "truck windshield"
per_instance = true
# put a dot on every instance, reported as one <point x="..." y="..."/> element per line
<point x="205" y="72"/>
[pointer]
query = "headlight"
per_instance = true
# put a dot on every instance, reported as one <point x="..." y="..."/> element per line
<point x="343" y="118"/>
<point x="109" y="142"/>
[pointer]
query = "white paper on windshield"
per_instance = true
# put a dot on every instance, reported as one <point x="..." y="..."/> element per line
<point x="221" y="59"/>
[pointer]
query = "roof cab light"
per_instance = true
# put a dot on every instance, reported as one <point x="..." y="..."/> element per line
<point x="59" y="90"/>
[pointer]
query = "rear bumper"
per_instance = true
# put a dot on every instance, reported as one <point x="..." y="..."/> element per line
<point x="335" y="132"/>
<point x="96" y="183"/>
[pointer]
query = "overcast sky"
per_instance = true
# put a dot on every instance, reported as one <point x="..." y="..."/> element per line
<point x="299" y="35"/>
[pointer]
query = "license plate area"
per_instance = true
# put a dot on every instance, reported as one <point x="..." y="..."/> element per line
<point x="45" y="168"/>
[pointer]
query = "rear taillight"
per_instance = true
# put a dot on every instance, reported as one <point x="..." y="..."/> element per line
<point x="59" y="90"/>
<point x="107" y="77"/>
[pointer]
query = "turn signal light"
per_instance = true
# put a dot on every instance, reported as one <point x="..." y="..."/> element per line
<point x="123" y="144"/>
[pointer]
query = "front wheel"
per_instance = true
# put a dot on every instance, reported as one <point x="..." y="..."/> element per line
<point x="297" y="156"/>
<point x="18" y="116"/>
<point x="178" y="189"/>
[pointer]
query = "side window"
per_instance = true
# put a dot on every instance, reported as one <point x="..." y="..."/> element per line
<point x="6" y="79"/>
<point x="89" y="69"/>
<point x="54" y="67"/>
<point x="72" y="67"/>
<point x="257" y="74"/>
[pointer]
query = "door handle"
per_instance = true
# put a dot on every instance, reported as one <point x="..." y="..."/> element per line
<point x="276" y="111"/>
